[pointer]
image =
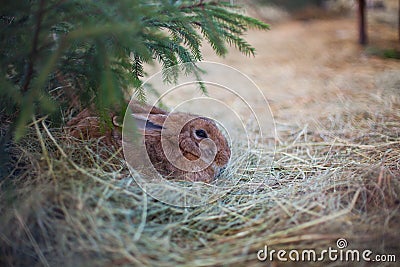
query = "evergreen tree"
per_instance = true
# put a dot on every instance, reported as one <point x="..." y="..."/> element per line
<point x="57" y="54"/>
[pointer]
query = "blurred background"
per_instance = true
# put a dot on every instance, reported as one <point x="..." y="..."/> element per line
<point x="311" y="57"/>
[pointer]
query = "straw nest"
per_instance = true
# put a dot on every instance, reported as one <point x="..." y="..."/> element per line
<point x="65" y="205"/>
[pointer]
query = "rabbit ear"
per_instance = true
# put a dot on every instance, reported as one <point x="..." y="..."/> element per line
<point x="152" y="122"/>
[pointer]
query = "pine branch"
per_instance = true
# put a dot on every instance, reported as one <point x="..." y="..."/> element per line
<point x="95" y="50"/>
<point x="33" y="53"/>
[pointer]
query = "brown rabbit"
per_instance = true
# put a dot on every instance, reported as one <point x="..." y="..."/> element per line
<point x="180" y="146"/>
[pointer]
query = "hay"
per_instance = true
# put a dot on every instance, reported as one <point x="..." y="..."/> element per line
<point x="65" y="205"/>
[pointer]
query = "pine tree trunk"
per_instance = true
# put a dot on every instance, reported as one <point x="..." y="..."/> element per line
<point x="362" y="22"/>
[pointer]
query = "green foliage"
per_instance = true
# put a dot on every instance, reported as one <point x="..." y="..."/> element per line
<point x="387" y="53"/>
<point x="59" y="55"/>
<point x="391" y="53"/>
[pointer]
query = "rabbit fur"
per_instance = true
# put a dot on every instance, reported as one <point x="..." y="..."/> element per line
<point x="180" y="146"/>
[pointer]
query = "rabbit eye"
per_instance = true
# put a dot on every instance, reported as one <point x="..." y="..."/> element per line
<point x="201" y="133"/>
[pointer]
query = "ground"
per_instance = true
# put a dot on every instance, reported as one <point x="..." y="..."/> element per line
<point x="335" y="173"/>
<point x="303" y="66"/>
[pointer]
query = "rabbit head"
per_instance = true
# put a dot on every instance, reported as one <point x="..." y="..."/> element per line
<point x="183" y="146"/>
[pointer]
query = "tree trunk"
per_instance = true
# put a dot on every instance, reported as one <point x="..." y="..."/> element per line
<point x="362" y="22"/>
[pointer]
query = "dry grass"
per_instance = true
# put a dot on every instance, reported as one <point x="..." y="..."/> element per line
<point x="72" y="203"/>
<point x="65" y="205"/>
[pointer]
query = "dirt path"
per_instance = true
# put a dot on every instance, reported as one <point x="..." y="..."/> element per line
<point x="307" y="68"/>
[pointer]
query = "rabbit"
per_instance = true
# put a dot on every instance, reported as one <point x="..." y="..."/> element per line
<point x="180" y="146"/>
<point x="184" y="146"/>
